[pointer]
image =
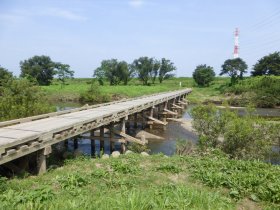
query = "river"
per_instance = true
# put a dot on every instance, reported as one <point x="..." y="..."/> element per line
<point x="174" y="131"/>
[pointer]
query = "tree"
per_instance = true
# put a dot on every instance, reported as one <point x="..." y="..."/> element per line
<point x="155" y="70"/>
<point x="235" y="68"/>
<point x="125" y="72"/>
<point x="99" y="74"/>
<point x="63" y="72"/>
<point x="165" y="67"/>
<point x="42" y="68"/>
<point x="203" y="75"/>
<point x="4" y="75"/>
<point x="143" y="66"/>
<point x="268" y="65"/>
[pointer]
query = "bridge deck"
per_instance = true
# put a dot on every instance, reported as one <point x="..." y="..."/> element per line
<point x="45" y="129"/>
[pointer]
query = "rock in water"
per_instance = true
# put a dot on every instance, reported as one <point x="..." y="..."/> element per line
<point x="128" y="152"/>
<point x="116" y="154"/>
<point x="144" y="154"/>
<point x="105" y="156"/>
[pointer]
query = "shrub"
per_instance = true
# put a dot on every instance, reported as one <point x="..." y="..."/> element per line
<point x="246" y="137"/>
<point x="94" y="95"/>
<point x="203" y="75"/>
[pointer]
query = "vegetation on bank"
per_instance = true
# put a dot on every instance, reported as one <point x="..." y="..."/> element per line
<point x="20" y="98"/>
<point x="154" y="182"/>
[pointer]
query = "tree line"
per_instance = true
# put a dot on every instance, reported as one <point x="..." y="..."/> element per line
<point x="42" y="70"/>
<point x="236" y="68"/>
<point x="146" y="69"/>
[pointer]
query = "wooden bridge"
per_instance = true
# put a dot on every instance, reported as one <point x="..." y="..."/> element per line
<point x="24" y="136"/>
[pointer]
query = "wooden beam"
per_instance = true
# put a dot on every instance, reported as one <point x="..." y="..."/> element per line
<point x="170" y="112"/>
<point x="176" y="106"/>
<point x="129" y="138"/>
<point x="157" y="121"/>
<point x="175" y="120"/>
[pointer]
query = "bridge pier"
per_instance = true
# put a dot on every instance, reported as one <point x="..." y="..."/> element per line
<point x="42" y="159"/>
<point x="101" y="139"/>
<point x="112" y="143"/>
<point x="135" y="120"/>
<point x="123" y="145"/>
<point x="92" y="144"/>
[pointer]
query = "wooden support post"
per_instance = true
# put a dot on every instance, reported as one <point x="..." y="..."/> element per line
<point x="66" y="144"/>
<point x="75" y="143"/>
<point x="143" y="120"/>
<point x="102" y="139"/>
<point x="112" y="143"/>
<point x="151" y="115"/>
<point x="135" y="120"/>
<point x="92" y="144"/>
<point x="41" y="162"/>
<point x="123" y="147"/>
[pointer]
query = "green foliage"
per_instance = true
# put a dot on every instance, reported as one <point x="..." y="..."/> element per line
<point x="129" y="166"/>
<point x="138" y="148"/>
<point x="263" y="91"/>
<point x="5" y="75"/>
<point x="166" y="66"/>
<point x="203" y="75"/>
<point x="267" y="65"/>
<point x="144" y="68"/>
<point x="171" y="168"/>
<point x="42" y="68"/>
<point x="38" y="195"/>
<point x="210" y="124"/>
<point x="235" y="68"/>
<point x="246" y="137"/>
<point x="20" y="98"/>
<point x="114" y="71"/>
<point x="63" y="72"/>
<point x="3" y="184"/>
<point x="254" y="179"/>
<point x="184" y="147"/>
<point x="71" y="181"/>
<point x="94" y="95"/>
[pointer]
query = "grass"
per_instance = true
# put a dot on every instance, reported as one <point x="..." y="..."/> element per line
<point x="132" y="182"/>
<point x="75" y="87"/>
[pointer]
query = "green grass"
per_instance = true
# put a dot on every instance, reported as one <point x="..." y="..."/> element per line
<point x="75" y="87"/>
<point x="135" y="182"/>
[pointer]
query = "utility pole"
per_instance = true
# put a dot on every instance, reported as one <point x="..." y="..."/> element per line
<point x="236" y="44"/>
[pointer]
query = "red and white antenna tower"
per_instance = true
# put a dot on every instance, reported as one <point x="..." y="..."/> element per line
<point x="236" y="44"/>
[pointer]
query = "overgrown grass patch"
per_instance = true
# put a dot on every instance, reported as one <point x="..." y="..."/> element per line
<point x="134" y="182"/>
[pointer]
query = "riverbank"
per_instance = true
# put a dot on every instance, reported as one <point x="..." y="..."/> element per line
<point x="132" y="182"/>
<point x="76" y="87"/>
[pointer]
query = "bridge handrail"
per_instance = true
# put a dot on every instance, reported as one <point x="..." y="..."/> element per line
<point x="58" y="113"/>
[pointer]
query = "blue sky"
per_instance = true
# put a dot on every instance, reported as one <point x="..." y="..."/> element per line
<point x="82" y="33"/>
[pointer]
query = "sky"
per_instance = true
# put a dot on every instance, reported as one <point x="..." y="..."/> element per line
<point x="82" y="33"/>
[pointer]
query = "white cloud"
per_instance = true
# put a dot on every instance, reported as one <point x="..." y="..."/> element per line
<point x="65" y="14"/>
<point x="136" y="3"/>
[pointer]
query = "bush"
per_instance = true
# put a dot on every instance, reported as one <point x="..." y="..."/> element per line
<point x="262" y="91"/>
<point x="246" y="137"/>
<point x="203" y="75"/>
<point x="94" y="95"/>
<point x="20" y="98"/>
